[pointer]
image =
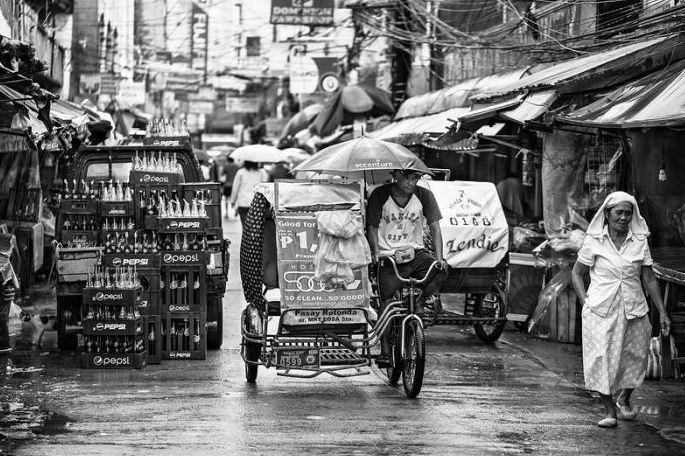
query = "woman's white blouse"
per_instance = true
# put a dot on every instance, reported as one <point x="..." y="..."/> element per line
<point x="615" y="272"/>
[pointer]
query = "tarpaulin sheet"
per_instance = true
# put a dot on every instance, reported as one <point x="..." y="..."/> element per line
<point x="474" y="229"/>
<point x="654" y="100"/>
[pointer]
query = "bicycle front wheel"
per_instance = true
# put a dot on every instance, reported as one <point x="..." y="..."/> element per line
<point x="414" y="361"/>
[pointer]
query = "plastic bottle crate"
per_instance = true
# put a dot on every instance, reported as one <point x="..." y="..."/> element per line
<point x="184" y="336"/>
<point x="141" y="261"/>
<point x="142" y="193"/>
<point x="116" y="209"/>
<point x="149" y="302"/>
<point x="113" y="360"/>
<point x="74" y="264"/>
<point x="142" y="178"/>
<point x="183" y="289"/>
<point x="211" y="191"/>
<point x="153" y="338"/>
<point x="83" y="237"/>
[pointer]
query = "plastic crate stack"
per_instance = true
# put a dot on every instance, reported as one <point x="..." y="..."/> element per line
<point x="113" y="331"/>
<point x="178" y="222"/>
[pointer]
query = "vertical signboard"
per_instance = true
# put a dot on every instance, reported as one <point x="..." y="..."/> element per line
<point x="198" y="39"/>
<point x="302" y="12"/>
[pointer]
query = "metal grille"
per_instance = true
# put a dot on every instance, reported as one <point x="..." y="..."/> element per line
<point x="603" y="170"/>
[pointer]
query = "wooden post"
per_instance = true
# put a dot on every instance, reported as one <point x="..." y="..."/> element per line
<point x="562" y="316"/>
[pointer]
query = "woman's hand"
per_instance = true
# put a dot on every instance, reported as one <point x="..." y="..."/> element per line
<point x="665" y="325"/>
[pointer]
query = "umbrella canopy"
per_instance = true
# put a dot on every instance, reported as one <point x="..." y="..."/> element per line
<point x="350" y="101"/>
<point x="295" y="155"/>
<point x="367" y="158"/>
<point x="260" y="153"/>
<point x="301" y="120"/>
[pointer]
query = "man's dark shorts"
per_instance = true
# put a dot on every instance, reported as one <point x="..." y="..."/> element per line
<point x="417" y="268"/>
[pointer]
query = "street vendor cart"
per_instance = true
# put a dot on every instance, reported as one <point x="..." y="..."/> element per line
<point x="305" y="323"/>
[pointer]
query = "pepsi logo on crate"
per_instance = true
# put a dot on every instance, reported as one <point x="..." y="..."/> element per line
<point x="140" y="261"/>
<point x="183" y="257"/>
<point x="92" y="327"/>
<point x="113" y="361"/>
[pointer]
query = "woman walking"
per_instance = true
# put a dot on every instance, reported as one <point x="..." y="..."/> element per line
<point x="616" y="328"/>
<point x="242" y="191"/>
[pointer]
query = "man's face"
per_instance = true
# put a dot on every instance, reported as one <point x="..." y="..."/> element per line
<point x="406" y="181"/>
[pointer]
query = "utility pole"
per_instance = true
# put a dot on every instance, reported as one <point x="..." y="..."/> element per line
<point x="400" y="51"/>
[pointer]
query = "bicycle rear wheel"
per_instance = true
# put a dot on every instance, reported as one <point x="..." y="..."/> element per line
<point x="414" y="362"/>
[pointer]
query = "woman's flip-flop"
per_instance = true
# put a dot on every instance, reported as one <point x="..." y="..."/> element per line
<point x="625" y="412"/>
<point x="607" y="422"/>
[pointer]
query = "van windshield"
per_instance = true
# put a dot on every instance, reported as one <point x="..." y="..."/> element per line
<point x="101" y="171"/>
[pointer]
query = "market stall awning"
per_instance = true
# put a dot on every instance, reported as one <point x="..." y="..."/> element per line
<point x="655" y="100"/>
<point x="456" y="96"/>
<point x="532" y="107"/>
<point x="409" y="131"/>
<point x="597" y="71"/>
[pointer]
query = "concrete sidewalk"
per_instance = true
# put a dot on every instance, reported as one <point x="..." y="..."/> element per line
<point x="660" y="403"/>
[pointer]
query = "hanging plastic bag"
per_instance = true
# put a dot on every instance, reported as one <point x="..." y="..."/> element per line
<point x="548" y="295"/>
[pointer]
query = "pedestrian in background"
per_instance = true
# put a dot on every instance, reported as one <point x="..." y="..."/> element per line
<point x="278" y="171"/>
<point x="616" y="328"/>
<point x="246" y="179"/>
<point x="226" y="178"/>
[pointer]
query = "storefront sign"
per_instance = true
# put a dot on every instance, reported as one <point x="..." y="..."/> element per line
<point x="89" y="83"/>
<point x="302" y="12"/>
<point x="201" y="107"/>
<point x="304" y="74"/>
<point x="474" y="229"/>
<point x="131" y="93"/>
<point x="198" y="39"/>
<point x="242" y="104"/>
<point x="297" y="241"/>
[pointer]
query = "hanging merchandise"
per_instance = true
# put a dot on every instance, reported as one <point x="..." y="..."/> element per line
<point x="662" y="171"/>
<point x="528" y="168"/>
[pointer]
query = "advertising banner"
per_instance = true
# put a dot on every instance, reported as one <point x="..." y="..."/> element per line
<point x="198" y="39"/>
<point x="297" y="240"/>
<point x="474" y="229"/>
<point x="302" y="12"/>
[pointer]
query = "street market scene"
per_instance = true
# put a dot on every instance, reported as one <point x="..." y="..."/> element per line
<point x="344" y="227"/>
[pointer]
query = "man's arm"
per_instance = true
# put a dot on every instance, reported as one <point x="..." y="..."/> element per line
<point x="372" y="235"/>
<point x="436" y="234"/>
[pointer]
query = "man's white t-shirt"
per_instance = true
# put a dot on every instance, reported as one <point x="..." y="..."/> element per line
<point x="401" y="226"/>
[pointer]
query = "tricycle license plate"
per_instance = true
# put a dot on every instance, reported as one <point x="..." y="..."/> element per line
<point x="297" y="358"/>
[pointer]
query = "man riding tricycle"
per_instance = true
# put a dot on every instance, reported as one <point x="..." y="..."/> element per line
<point x="305" y="262"/>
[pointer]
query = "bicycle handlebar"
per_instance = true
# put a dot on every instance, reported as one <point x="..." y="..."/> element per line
<point x="419" y="282"/>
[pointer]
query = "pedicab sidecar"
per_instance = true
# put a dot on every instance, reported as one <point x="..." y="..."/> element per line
<point x="475" y="239"/>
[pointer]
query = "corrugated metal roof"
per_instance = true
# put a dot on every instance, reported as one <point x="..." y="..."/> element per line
<point x="654" y="100"/>
<point x="409" y="131"/>
<point x="595" y="71"/>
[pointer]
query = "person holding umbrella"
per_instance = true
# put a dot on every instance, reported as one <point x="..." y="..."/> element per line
<point x="395" y="220"/>
<point x="244" y="183"/>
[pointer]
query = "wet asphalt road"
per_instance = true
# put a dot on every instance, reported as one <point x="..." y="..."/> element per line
<point x="476" y="400"/>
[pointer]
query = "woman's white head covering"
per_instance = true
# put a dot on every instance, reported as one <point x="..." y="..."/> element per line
<point x="638" y="226"/>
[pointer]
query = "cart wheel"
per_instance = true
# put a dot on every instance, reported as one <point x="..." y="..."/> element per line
<point x="395" y="370"/>
<point x="414" y="363"/>
<point x="216" y="335"/>
<point x="65" y="342"/>
<point x="252" y="351"/>
<point x="489" y="305"/>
